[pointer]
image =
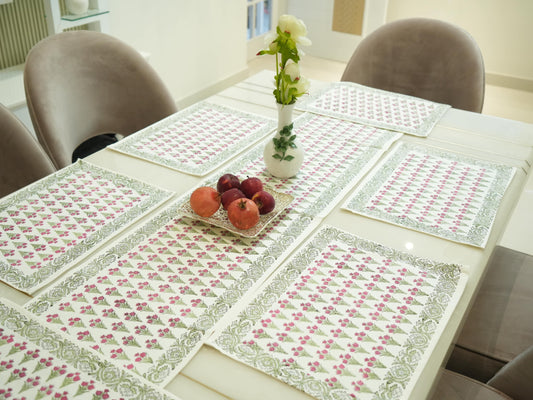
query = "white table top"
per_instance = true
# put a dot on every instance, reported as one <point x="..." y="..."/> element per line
<point x="211" y="375"/>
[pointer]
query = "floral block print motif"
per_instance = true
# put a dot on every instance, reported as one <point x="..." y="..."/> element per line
<point x="147" y="302"/>
<point x="394" y="111"/>
<point x="37" y="363"/>
<point x="337" y="154"/>
<point x="435" y="192"/>
<point x="46" y="226"/>
<point x="346" y="318"/>
<point x="197" y="139"/>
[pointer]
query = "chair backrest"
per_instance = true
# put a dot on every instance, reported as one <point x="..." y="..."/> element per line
<point x="82" y="84"/>
<point x="22" y="160"/>
<point x="516" y="377"/>
<point x="422" y="57"/>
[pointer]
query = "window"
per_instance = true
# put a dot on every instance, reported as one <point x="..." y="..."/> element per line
<point x="259" y="17"/>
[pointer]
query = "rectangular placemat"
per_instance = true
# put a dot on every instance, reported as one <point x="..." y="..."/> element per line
<point x="433" y="191"/>
<point x="198" y="139"/>
<point x="346" y="318"/>
<point x="39" y="363"/>
<point x="366" y="105"/>
<point x="48" y="225"/>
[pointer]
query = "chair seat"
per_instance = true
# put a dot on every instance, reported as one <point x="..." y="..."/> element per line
<point x="454" y="386"/>
<point x="500" y="324"/>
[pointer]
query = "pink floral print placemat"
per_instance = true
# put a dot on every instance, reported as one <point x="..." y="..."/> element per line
<point x="39" y="363"/>
<point x="376" y="107"/>
<point x="436" y="192"/>
<point x="47" y="226"/>
<point x="346" y="318"/>
<point x="198" y="139"/>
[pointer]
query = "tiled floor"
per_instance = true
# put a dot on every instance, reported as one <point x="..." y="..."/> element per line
<point x="499" y="101"/>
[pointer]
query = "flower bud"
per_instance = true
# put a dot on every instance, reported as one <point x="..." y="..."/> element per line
<point x="293" y="70"/>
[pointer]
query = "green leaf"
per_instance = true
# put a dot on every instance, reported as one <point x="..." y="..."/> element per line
<point x="289" y="158"/>
<point x="276" y="156"/>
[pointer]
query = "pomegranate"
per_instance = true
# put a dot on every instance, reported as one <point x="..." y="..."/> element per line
<point x="205" y="201"/>
<point x="243" y="213"/>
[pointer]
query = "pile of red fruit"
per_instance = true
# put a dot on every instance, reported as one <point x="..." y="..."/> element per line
<point x="244" y="201"/>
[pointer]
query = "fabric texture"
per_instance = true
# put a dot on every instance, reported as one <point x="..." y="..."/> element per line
<point x="421" y="57"/>
<point x="84" y="83"/>
<point x="454" y="386"/>
<point x="516" y="378"/>
<point x="499" y="326"/>
<point x="22" y="160"/>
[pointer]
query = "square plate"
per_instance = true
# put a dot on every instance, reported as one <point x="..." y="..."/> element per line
<point x="220" y="218"/>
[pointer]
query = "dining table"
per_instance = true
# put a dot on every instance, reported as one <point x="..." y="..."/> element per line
<point x="355" y="286"/>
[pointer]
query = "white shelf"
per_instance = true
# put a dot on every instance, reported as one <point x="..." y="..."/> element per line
<point x="96" y="17"/>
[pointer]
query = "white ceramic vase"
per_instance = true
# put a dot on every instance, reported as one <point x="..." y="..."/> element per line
<point x="77" y="6"/>
<point x="283" y="168"/>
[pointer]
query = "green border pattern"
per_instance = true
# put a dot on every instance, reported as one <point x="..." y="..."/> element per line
<point x="230" y="340"/>
<point x="175" y="356"/>
<point x="481" y="228"/>
<point x="127" y="145"/>
<point x="120" y="380"/>
<point x="422" y="130"/>
<point x="26" y="283"/>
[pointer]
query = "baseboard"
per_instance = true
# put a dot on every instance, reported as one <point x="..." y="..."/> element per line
<point x="509" y="82"/>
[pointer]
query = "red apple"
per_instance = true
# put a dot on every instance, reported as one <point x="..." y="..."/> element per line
<point x="251" y="186"/>
<point x="229" y="195"/>
<point x="265" y="202"/>
<point x="227" y="182"/>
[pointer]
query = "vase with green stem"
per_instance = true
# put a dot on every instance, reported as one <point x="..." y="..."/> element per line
<point x="283" y="154"/>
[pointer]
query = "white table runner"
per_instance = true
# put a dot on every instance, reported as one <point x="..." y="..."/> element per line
<point x="149" y="300"/>
<point x="366" y="105"/>
<point x="346" y="318"/>
<point x="337" y="154"/>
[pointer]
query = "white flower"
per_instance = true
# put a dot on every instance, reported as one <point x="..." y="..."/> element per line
<point x="289" y="84"/>
<point x="303" y="85"/>
<point x="296" y="27"/>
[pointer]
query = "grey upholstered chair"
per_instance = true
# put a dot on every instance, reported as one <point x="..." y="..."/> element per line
<point x="454" y="386"/>
<point x="499" y="326"/>
<point x="82" y="84"/>
<point x="422" y="57"/>
<point x="22" y="160"/>
<point x="514" y="381"/>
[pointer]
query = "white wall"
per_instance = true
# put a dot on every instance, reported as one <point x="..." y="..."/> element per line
<point x="502" y="28"/>
<point x="318" y="17"/>
<point x="193" y="44"/>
